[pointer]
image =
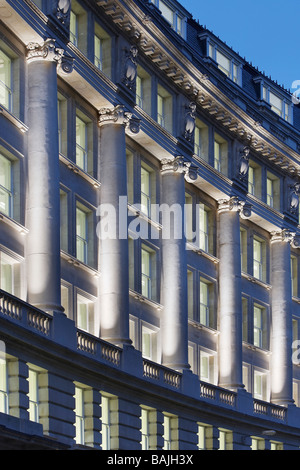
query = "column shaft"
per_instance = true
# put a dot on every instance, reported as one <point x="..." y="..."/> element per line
<point x="113" y="243"/>
<point x="230" y="300"/>
<point x="174" y="323"/>
<point x="281" y="324"/>
<point x="42" y="201"/>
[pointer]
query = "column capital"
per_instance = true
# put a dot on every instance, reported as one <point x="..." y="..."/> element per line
<point x="118" y="115"/>
<point x="236" y="205"/>
<point x="49" y="52"/>
<point x="178" y="165"/>
<point x="285" y="235"/>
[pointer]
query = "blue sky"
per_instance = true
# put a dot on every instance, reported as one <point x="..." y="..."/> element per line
<point x="265" y="32"/>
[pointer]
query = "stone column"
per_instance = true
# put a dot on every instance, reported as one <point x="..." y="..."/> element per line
<point x="281" y="319"/>
<point x="174" y="322"/>
<point x="42" y="200"/>
<point x="230" y="298"/>
<point x="112" y="227"/>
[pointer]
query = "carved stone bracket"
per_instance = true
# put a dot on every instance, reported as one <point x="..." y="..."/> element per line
<point x="235" y="204"/>
<point x="178" y="165"/>
<point x="48" y="51"/>
<point x="118" y="115"/>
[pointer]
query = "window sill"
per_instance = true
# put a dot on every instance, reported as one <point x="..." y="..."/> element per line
<point x="196" y="249"/>
<point x="199" y="326"/>
<point x="145" y="300"/>
<point x="13" y="119"/>
<point x="79" y="264"/>
<point x="79" y="171"/>
<point x="256" y="348"/>
<point x="254" y="280"/>
<point x="13" y="223"/>
<point x="136" y="211"/>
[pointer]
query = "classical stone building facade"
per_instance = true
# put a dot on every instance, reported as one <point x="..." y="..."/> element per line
<point x="149" y="237"/>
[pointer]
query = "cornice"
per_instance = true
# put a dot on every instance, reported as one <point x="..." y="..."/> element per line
<point x="169" y="59"/>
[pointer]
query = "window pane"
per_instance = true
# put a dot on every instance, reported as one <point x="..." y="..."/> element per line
<point x="203" y="229"/>
<point x="5" y="185"/>
<point x="98" y="52"/>
<point x="145" y="192"/>
<point x="81" y="143"/>
<point x="223" y="62"/>
<point x="146" y="273"/>
<point x="5" y="81"/>
<point x="166" y="12"/>
<point x="81" y="235"/>
<point x="73" y="28"/>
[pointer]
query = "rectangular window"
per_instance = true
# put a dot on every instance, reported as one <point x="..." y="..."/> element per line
<point x="225" y="439"/>
<point x="145" y="429"/>
<point x="221" y="155"/>
<point x="244" y="251"/>
<point x="85" y="314"/>
<point x="258" y="259"/>
<point x="204" y="303"/>
<point x="206" y="367"/>
<point x="146" y="191"/>
<point x="245" y="319"/>
<point x="258" y="326"/>
<point x="148" y="273"/>
<point x="279" y="105"/>
<point x="3" y="386"/>
<point x="260" y="385"/>
<point x="6" y="186"/>
<point x="139" y="91"/>
<point x="254" y="179"/>
<point x="143" y="90"/>
<point x="5" y="81"/>
<point x="273" y="191"/>
<point x="81" y="235"/>
<point x="33" y="396"/>
<point x="201" y="140"/>
<point x="225" y="63"/>
<point x="164" y="108"/>
<point x="9" y="274"/>
<point x="203" y="227"/>
<point x="149" y="343"/>
<point x="102" y="50"/>
<point x="62" y="113"/>
<point x="81" y="144"/>
<point x="106" y="422"/>
<point x="190" y="282"/>
<point x="294" y="276"/>
<point x="167" y="433"/>
<point x="201" y="437"/>
<point x="74" y="28"/>
<point x="79" y="415"/>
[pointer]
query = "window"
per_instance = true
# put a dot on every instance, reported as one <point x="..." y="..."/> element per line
<point x="73" y="28"/>
<point x="148" y="273"/>
<point x="203" y="228"/>
<point x="164" y="108"/>
<point x="190" y="283"/>
<point x="146" y="191"/>
<point x="6" y="188"/>
<point x="174" y="17"/>
<point x="206" y="367"/>
<point x="226" y="64"/>
<point x="279" y="104"/>
<point x="9" y="274"/>
<point x="201" y="140"/>
<point x="254" y="179"/>
<point x="78" y="27"/>
<point x="260" y="385"/>
<point x="149" y="343"/>
<point x="62" y="124"/>
<point x="221" y="155"/>
<point x="102" y="50"/>
<point x="201" y="437"/>
<point x="106" y="422"/>
<point x="3" y="385"/>
<point x="273" y="191"/>
<point x="258" y="258"/>
<point x="257" y="443"/>
<point x="294" y="276"/>
<point x="65" y="299"/>
<point x="276" y="445"/>
<point x="5" y="81"/>
<point x="79" y="415"/>
<point x="85" y="314"/>
<point x="33" y="395"/>
<point x="81" y="235"/>
<point x="81" y="144"/>
<point x="167" y="433"/>
<point x="225" y="439"/>
<point x="143" y="90"/>
<point x="245" y="319"/>
<point x="204" y="303"/>
<point x="258" y="326"/>
<point x="145" y="429"/>
<point x="244" y="251"/>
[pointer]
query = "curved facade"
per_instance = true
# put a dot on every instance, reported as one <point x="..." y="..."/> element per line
<point x="149" y="241"/>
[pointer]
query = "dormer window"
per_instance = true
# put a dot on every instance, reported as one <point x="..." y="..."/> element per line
<point x="172" y="15"/>
<point x="226" y="63"/>
<point x="280" y="103"/>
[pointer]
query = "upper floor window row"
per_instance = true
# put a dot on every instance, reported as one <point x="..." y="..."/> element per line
<point x="172" y="15"/>
<point x="226" y="63"/>
<point x="279" y="102"/>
